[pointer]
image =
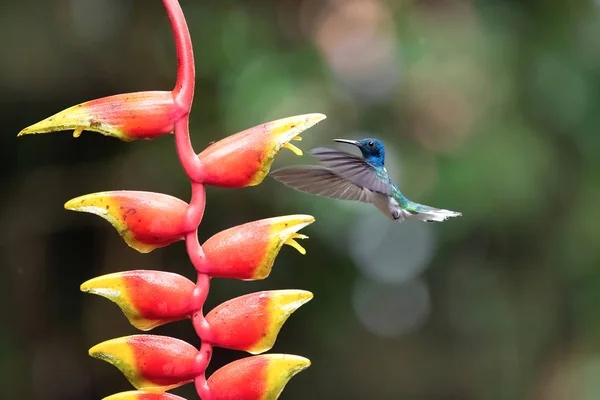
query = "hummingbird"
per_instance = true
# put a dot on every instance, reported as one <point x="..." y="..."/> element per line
<point x="346" y="176"/>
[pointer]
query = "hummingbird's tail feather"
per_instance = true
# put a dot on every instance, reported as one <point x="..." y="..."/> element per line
<point x="320" y="181"/>
<point x="431" y="214"/>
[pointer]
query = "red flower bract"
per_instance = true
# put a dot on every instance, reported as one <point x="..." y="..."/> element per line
<point x="244" y="159"/>
<point x="130" y="116"/>
<point x="255" y="378"/>
<point x="150" y="362"/>
<point x="145" y="220"/>
<point x="252" y="322"/>
<point x="248" y="251"/>
<point x="148" y="298"/>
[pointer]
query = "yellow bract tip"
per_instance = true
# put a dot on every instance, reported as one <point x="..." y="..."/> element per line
<point x="293" y="148"/>
<point x="282" y="367"/>
<point x="289" y="300"/>
<point x="105" y="285"/>
<point x="282" y="303"/>
<point x="77" y="132"/>
<point x="287" y="228"/>
<point x="110" y="349"/>
<point x="28" y="131"/>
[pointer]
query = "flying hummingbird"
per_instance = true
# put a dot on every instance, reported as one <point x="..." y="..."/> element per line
<point x="349" y="177"/>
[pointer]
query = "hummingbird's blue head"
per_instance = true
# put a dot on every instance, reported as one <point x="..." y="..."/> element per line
<point x="372" y="150"/>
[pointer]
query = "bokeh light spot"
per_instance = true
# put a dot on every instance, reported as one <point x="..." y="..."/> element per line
<point x="391" y="310"/>
<point x="388" y="252"/>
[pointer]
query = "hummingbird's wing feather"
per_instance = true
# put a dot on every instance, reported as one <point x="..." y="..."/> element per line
<point x="320" y="181"/>
<point x="355" y="169"/>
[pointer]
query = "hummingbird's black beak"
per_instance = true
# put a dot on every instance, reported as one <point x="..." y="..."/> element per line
<point x="354" y="142"/>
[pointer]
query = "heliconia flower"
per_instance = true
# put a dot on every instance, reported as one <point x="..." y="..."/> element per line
<point x="141" y="395"/>
<point x="252" y="322"/>
<point x="147" y="298"/>
<point x="255" y="378"/>
<point x="150" y="362"/>
<point x="130" y="116"/>
<point x="244" y="159"/>
<point x="145" y="220"/>
<point x="248" y="251"/>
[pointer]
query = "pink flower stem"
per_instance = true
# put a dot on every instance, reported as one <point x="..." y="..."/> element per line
<point x="183" y="94"/>
<point x="202" y="328"/>
<point x="199" y="297"/>
<point x="202" y="387"/>
<point x="187" y="156"/>
<point x="184" y="88"/>
<point x="194" y="250"/>
<point x="195" y="210"/>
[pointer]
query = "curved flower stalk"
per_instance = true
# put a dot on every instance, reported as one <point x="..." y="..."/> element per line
<point x="147" y="221"/>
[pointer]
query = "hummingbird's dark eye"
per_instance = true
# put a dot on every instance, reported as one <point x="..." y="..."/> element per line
<point x="370" y="144"/>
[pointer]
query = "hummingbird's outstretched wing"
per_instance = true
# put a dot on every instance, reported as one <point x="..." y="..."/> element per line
<point x="320" y="181"/>
<point x="355" y="169"/>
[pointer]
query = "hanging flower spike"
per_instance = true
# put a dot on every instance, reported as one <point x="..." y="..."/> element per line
<point x="147" y="298"/>
<point x="251" y="322"/>
<point x="150" y="362"/>
<point x="255" y="378"/>
<point x="244" y="159"/>
<point x="130" y="116"/>
<point x="140" y="395"/>
<point x="145" y="220"/>
<point x="248" y="251"/>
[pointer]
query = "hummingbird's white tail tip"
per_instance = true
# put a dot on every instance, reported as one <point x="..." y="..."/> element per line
<point x="437" y="215"/>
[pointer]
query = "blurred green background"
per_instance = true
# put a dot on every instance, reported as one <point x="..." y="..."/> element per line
<point x="487" y="107"/>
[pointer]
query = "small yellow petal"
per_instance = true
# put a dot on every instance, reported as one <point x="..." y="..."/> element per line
<point x="77" y="132"/>
<point x="293" y="148"/>
<point x="298" y="138"/>
<point x="296" y="245"/>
